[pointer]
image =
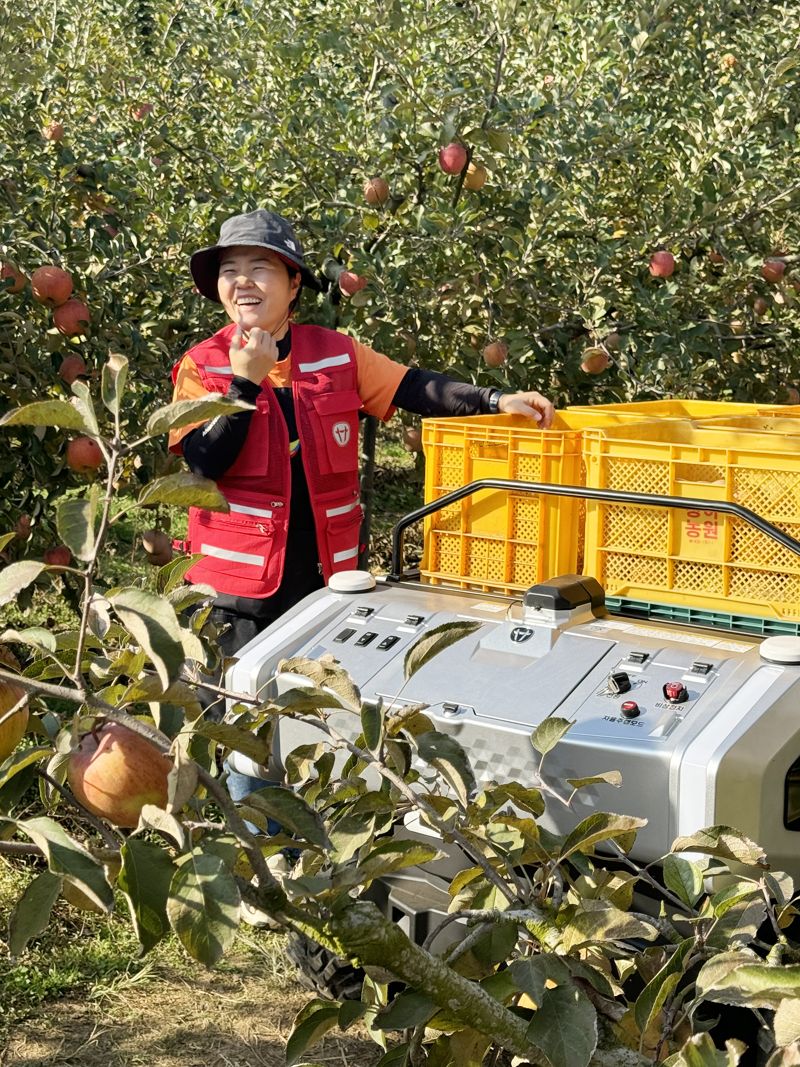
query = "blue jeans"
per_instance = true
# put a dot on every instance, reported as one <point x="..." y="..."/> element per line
<point x="240" y="786"/>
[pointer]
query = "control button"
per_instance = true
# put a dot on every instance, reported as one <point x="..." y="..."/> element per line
<point x="388" y="642"/>
<point x="638" y="657"/>
<point x="701" y="667"/>
<point x="414" y="620"/>
<point x="630" y="709"/>
<point x="363" y="612"/>
<point x="367" y="638"/>
<point x="675" y="692"/>
<point x="619" y="682"/>
<point x="344" y="635"/>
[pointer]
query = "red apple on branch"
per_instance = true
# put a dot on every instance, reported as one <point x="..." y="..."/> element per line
<point x="662" y="264"/>
<point x="84" y="455"/>
<point x="114" y="772"/>
<point x="376" y="191"/>
<point x="453" y="158"/>
<point x="51" y="286"/>
<point x="72" y="318"/>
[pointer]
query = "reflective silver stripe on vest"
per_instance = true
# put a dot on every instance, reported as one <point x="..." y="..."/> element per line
<point x="321" y="364"/>
<point x="343" y="510"/>
<point x="243" y="509"/>
<point x="347" y="553"/>
<point x="235" y="557"/>
<point x="227" y="369"/>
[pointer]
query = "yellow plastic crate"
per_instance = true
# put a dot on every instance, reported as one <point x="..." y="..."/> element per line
<point x="684" y="409"/>
<point x="786" y="424"/>
<point x="698" y="558"/>
<point x="497" y="541"/>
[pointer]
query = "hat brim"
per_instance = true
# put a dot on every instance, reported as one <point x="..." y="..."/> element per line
<point x="204" y="265"/>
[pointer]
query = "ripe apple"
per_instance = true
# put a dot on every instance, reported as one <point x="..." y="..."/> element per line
<point x="12" y="728"/>
<point x="141" y="111"/>
<point x="760" y="306"/>
<point x="772" y="270"/>
<point x="22" y="528"/>
<point x="10" y="274"/>
<point x="84" y="455"/>
<point x="728" y="61"/>
<point x="72" y="318"/>
<point x="72" y="367"/>
<point x="595" y="360"/>
<point x="51" y="286"/>
<point x="475" y="177"/>
<point x="157" y="546"/>
<point x="495" y="354"/>
<point x="58" y="556"/>
<point x="350" y="282"/>
<point x="53" y="131"/>
<point x="412" y="438"/>
<point x="453" y="158"/>
<point x="716" y="257"/>
<point x="662" y="264"/>
<point x="376" y="191"/>
<point x="114" y="772"/>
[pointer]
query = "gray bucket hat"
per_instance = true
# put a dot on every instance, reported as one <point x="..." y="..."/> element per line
<point x="261" y="229"/>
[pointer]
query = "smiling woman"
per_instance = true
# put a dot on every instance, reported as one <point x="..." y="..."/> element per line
<point x="289" y="465"/>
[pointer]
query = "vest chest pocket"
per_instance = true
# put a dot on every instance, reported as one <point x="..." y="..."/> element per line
<point x="238" y="543"/>
<point x="336" y="431"/>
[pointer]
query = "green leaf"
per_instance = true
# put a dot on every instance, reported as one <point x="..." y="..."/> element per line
<point x="548" y="733"/>
<point x="184" y="489"/>
<point x="531" y="974"/>
<point x="372" y="726"/>
<point x="607" y="777"/>
<point x="312" y="1023"/>
<point x="203" y="907"/>
<point x="565" y="1027"/>
<point x="170" y="576"/>
<point x="700" y="1051"/>
<point x="434" y="642"/>
<point x="753" y="985"/>
<point x="145" y="880"/>
<point x="235" y="738"/>
<point x="47" y="413"/>
<point x="786" y="1022"/>
<point x="529" y="800"/>
<point x="448" y="757"/>
<point x="22" y="758"/>
<point x="395" y="854"/>
<point x="6" y="539"/>
<point x="186" y="412"/>
<point x="66" y="857"/>
<point x="18" y="576"/>
<point x="408" y="1010"/>
<point x="601" y="826"/>
<point x="152" y="622"/>
<point x="31" y="915"/>
<point x="683" y="877"/>
<point x="349" y="834"/>
<point x="292" y="812"/>
<point x="723" y="842"/>
<point x="395" y="1057"/>
<point x="85" y="405"/>
<point x="34" y="636"/>
<point x="651" y="999"/>
<point x="75" y="522"/>
<point x="786" y="64"/>
<point x="112" y="382"/>
<point x="600" y="921"/>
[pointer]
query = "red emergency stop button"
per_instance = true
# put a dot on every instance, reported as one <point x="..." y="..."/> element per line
<point x="630" y="709"/>
<point x="675" y="692"/>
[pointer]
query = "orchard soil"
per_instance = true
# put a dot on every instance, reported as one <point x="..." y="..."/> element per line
<point x="80" y="997"/>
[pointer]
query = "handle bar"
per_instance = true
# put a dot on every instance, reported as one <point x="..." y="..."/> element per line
<point x="614" y="496"/>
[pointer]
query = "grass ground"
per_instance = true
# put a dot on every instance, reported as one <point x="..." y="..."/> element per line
<point x="81" y="997"/>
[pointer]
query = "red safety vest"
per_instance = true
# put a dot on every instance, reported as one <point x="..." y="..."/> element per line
<point x="244" y="549"/>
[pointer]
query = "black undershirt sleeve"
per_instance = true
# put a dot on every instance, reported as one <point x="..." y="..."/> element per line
<point x="427" y="393"/>
<point x="211" y="449"/>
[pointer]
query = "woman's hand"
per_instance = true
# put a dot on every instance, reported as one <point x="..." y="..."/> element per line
<point x="532" y="405"/>
<point x="253" y="357"/>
